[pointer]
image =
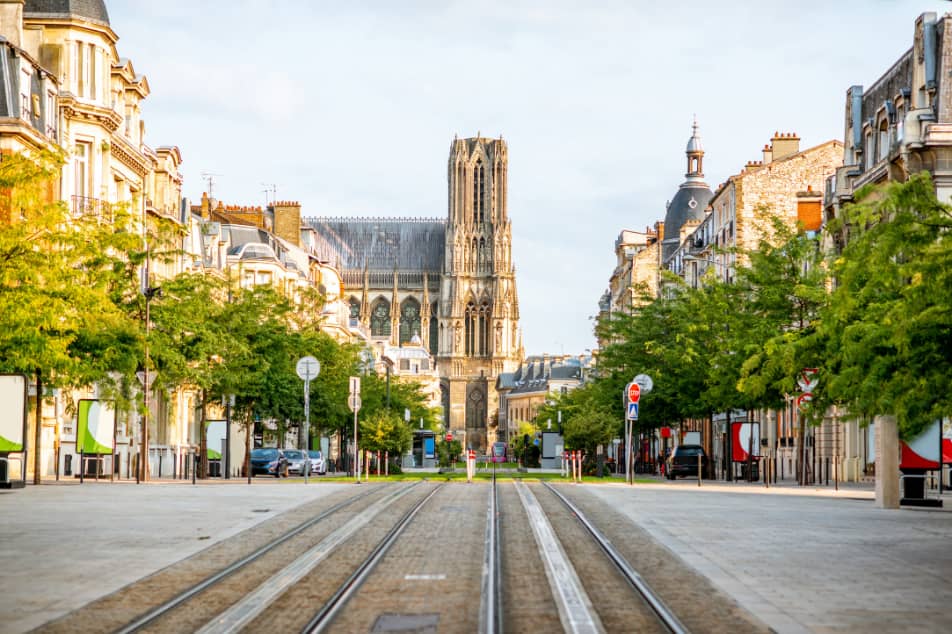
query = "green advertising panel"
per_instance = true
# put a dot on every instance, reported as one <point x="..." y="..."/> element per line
<point x="96" y="426"/>
<point x="12" y="412"/>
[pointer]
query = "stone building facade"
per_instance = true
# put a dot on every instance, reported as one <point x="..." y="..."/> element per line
<point x="65" y="87"/>
<point x="899" y="125"/>
<point x="451" y="282"/>
<point x="787" y="183"/>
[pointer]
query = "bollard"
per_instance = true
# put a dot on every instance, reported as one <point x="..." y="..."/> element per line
<point x="699" y="469"/>
<point x="378" y="463"/>
<point x="386" y="462"/>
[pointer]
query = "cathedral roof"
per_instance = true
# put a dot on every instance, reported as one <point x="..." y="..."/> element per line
<point x="409" y="244"/>
<point x="91" y="10"/>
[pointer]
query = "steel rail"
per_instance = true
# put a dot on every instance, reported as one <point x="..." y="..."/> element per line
<point x="216" y="578"/>
<point x="490" y="609"/>
<point x="343" y="594"/>
<point x="658" y="606"/>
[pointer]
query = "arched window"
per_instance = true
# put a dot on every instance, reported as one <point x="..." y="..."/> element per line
<point x="469" y="329"/>
<point x="483" y="333"/>
<point x="409" y="320"/>
<point x="380" y="319"/>
<point x="354" y="308"/>
<point x="434" y="332"/>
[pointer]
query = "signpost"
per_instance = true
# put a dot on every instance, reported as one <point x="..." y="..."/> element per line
<point x="353" y="402"/>
<point x="632" y="396"/>
<point x="307" y="369"/>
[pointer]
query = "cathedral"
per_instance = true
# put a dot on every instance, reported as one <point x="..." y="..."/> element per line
<point x="449" y="285"/>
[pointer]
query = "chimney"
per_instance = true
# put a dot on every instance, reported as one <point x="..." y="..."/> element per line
<point x="784" y="144"/>
<point x="206" y="206"/>
<point x="11" y="21"/>
<point x="768" y="154"/>
<point x="287" y="221"/>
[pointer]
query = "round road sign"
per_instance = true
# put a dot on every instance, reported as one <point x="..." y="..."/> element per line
<point x="644" y="382"/>
<point x="308" y="368"/>
<point x="634" y="392"/>
<point x="353" y="402"/>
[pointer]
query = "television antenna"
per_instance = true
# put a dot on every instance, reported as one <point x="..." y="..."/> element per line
<point x="270" y="188"/>
<point x="209" y="178"/>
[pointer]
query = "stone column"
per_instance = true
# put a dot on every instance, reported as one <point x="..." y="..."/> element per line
<point x="887" y="462"/>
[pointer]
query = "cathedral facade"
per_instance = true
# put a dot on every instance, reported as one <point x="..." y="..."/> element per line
<point x="450" y="282"/>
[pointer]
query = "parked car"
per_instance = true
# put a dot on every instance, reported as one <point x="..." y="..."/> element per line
<point x="683" y="461"/>
<point x="269" y="461"/>
<point x="318" y="465"/>
<point x="298" y="461"/>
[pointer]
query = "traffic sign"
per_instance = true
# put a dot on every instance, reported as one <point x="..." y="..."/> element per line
<point x="644" y="382"/>
<point x="353" y="402"/>
<point x="803" y="399"/>
<point x="308" y="368"/>
<point x="808" y="379"/>
<point x="355" y="386"/>
<point x="449" y="436"/>
<point x="632" y="411"/>
<point x="634" y="392"/>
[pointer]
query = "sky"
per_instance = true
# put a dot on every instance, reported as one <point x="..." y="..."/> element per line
<point x="350" y="108"/>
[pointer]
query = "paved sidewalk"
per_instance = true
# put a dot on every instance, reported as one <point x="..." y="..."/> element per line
<point x="64" y="545"/>
<point x="805" y="559"/>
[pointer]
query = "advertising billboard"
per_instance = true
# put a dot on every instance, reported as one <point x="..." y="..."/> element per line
<point x="13" y="404"/>
<point x="96" y="426"/>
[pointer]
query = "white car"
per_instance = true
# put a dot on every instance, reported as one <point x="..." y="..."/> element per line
<point x="318" y="465"/>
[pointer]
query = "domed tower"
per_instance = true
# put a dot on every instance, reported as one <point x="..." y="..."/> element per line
<point x="691" y="200"/>
<point x="479" y="307"/>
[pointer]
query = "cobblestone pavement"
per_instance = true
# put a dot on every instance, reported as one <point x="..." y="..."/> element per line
<point x="804" y="560"/>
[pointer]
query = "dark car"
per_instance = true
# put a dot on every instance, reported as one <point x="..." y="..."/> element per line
<point x="269" y="461"/>
<point x="683" y="461"/>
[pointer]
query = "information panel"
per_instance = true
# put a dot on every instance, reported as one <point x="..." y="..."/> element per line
<point x="96" y="426"/>
<point x="12" y="412"/>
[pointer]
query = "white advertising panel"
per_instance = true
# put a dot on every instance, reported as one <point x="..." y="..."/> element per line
<point x="12" y="412"/>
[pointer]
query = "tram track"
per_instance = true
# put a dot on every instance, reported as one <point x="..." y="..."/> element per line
<point x="425" y="556"/>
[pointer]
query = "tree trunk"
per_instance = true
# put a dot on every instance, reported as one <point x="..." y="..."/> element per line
<point x="202" y="440"/>
<point x="38" y="436"/>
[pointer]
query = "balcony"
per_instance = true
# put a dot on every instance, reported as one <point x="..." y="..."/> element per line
<point x="81" y="206"/>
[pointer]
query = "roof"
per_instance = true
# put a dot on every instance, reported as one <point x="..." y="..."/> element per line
<point x="409" y="244"/>
<point x="688" y="204"/>
<point x="91" y="10"/>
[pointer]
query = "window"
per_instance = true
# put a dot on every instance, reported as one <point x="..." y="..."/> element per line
<point x="80" y="69"/>
<point x="81" y="170"/>
<point x="380" y="319"/>
<point x="479" y="192"/>
<point x="883" y="139"/>
<point x="92" y="71"/>
<point x="409" y="320"/>
<point x="868" y="148"/>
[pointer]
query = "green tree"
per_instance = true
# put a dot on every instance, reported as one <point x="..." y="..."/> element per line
<point x="385" y="431"/>
<point x="886" y="335"/>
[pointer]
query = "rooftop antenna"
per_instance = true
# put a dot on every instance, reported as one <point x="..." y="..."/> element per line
<point x="270" y="188"/>
<point x="209" y="178"/>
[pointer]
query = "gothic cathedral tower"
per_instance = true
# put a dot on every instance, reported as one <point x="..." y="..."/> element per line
<point x="479" y="309"/>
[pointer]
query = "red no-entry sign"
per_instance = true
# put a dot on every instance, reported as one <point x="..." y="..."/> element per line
<point x="634" y="392"/>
